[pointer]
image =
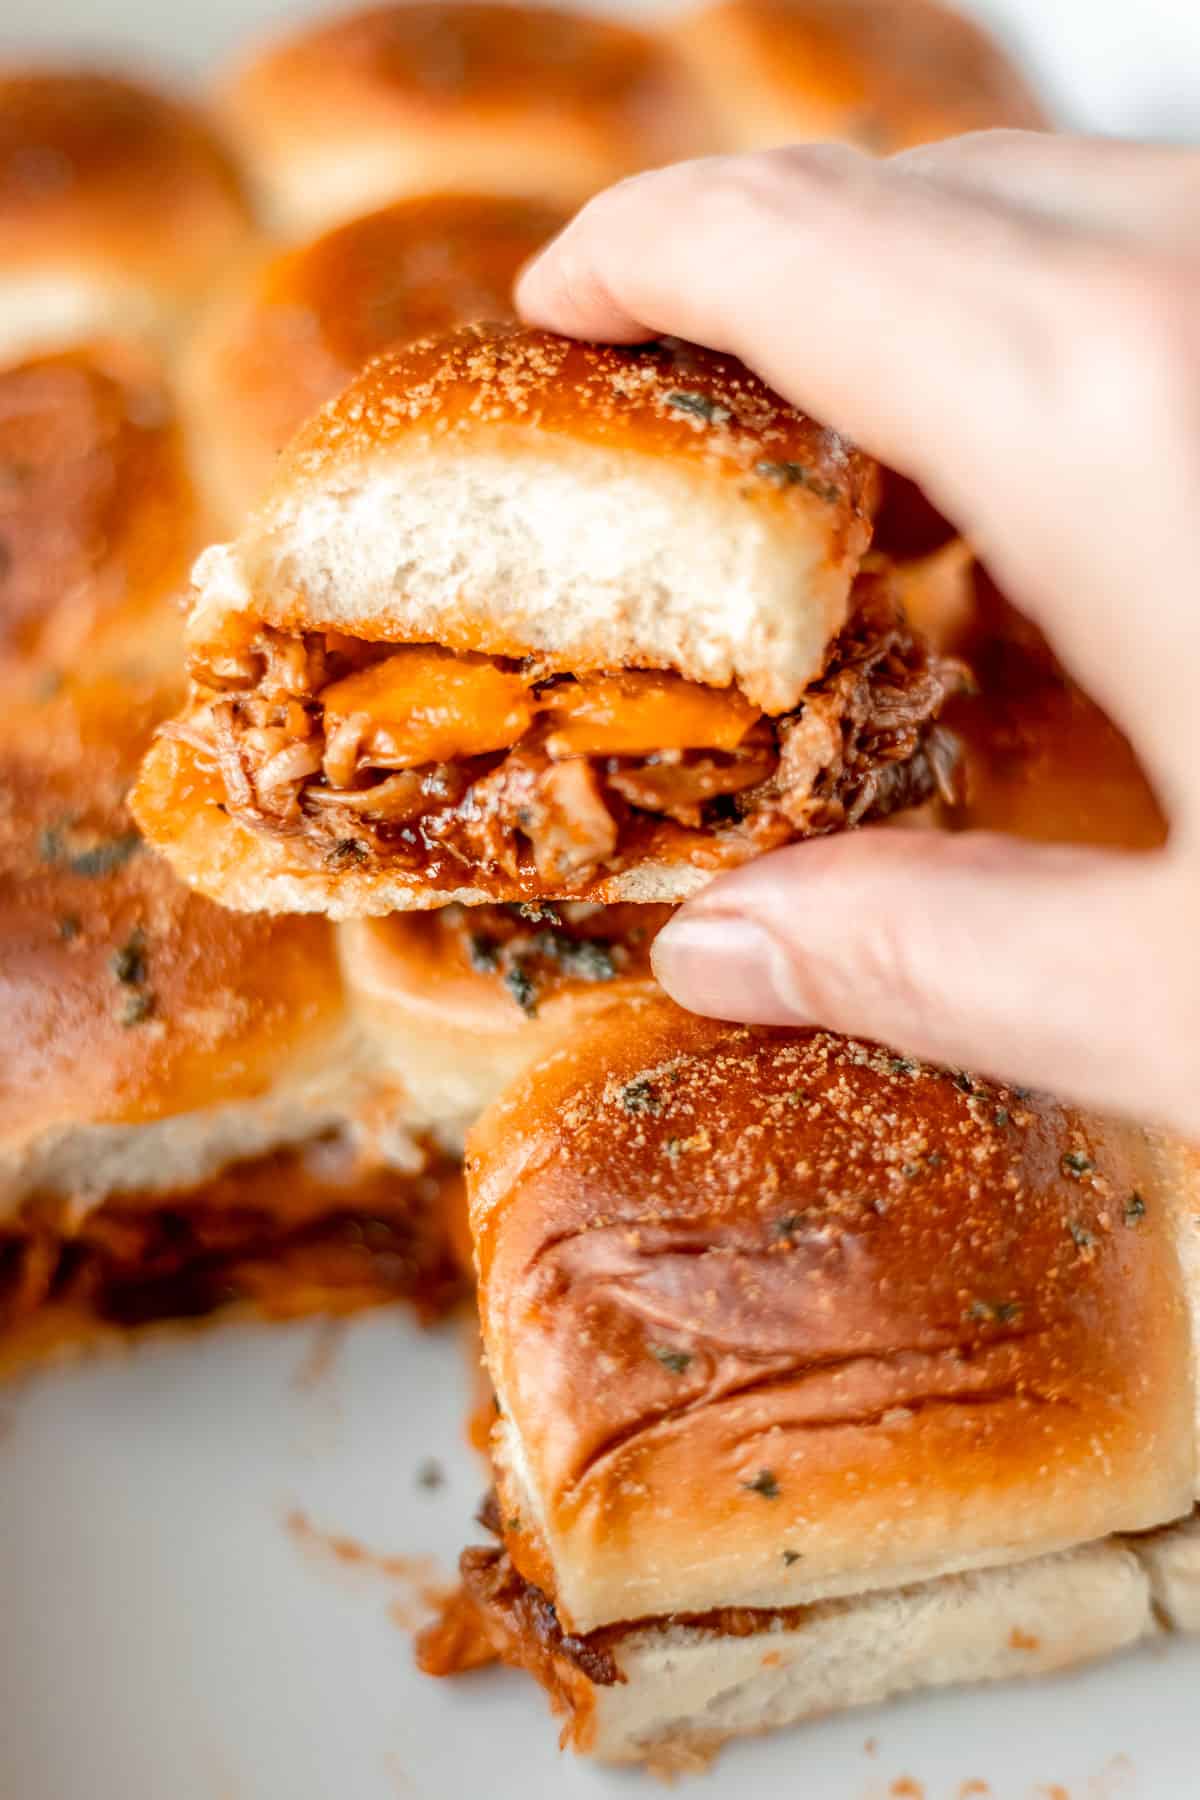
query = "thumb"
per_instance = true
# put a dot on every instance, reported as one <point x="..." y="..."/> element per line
<point x="1062" y="968"/>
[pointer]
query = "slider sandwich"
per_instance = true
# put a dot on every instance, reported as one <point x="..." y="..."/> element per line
<point x="99" y="520"/>
<point x="525" y="620"/>
<point x="882" y="74"/>
<point x="361" y="107"/>
<point x="188" y="1119"/>
<point x="816" y="1382"/>
<point x="119" y="205"/>
<point x="460" y="1000"/>
<point x="288" y="333"/>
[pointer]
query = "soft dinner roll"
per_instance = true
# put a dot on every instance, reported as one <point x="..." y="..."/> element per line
<point x="883" y="74"/>
<point x="525" y="619"/>
<point x="1041" y="760"/>
<point x="367" y="106"/>
<point x="158" y="1048"/>
<point x="118" y="206"/>
<point x="98" y="517"/>
<point x="797" y="1346"/>
<point x="458" y="1001"/>
<point x="291" y="332"/>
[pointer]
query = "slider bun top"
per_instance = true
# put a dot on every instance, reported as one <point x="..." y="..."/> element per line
<point x="772" y="1317"/>
<point x="458" y="1002"/>
<point x="118" y="204"/>
<point x="126" y="998"/>
<point x="290" y="333"/>
<point x="505" y="490"/>
<point x="883" y="74"/>
<point x="98" y="517"/>
<point x="365" y="106"/>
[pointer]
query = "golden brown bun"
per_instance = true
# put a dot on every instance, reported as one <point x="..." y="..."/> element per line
<point x="98" y="517"/>
<point x="461" y="1000"/>
<point x="126" y="998"/>
<point x="118" y="206"/>
<point x="290" y="333"/>
<point x="1042" y="761"/>
<point x="367" y="106"/>
<point x="883" y="74"/>
<point x="773" y="1318"/>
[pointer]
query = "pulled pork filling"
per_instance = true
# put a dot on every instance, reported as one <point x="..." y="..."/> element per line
<point x="301" y="1230"/>
<point x="495" y="1615"/>
<point x="460" y="767"/>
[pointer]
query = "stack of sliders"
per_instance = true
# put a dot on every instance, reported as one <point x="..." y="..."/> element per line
<point x="188" y="1123"/>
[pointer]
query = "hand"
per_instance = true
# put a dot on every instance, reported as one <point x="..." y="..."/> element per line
<point x="1014" y="322"/>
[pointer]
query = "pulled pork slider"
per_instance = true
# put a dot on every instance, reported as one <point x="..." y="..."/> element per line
<point x="882" y="74"/>
<point x="523" y="619"/>
<point x="118" y="206"/>
<point x="458" y="1001"/>
<point x="187" y="1118"/>
<point x="368" y="105"/>
<point x="290" y="332"/>
<point x="813" y="1378"/>
<point x="99" y="519"/>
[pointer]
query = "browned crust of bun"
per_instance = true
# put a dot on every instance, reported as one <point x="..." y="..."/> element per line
<point x="98" y="516"/>
<point x="839" y="1318"/>
<point x="560" y="102"/>
<point x="125" y="996"/>
<point x="289" y="334"/>
<point x="102" y="175"/>
<point x="885" y="74"/>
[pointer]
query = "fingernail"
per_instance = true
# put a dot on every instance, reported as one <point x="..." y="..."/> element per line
<point x="728" y="967"/>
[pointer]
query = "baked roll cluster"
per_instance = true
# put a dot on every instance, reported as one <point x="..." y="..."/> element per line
<point x="812" y="1364"/>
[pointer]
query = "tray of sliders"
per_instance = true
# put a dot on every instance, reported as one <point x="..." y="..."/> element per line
<point x="430" y="1358"/>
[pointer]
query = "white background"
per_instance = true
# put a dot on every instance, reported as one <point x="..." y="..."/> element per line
<point x="1114" y="65"/>
<point x="164" y="1634"/>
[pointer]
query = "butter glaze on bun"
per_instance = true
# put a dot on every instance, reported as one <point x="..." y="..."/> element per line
<point x="99" y="519"/>
<point x="150" y="1037"/>
<point x="882" y="74"/>
<point x="289" y="333"/>
<point x="118" y="207"/>
<point x="746" y="1294"/>
<point x="366" y="106"/>
<point x="459" y="1001"/>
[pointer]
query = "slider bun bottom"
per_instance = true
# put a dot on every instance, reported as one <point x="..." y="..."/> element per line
<point x="686" y="1690"/>
<point x="1172" y="1561"/>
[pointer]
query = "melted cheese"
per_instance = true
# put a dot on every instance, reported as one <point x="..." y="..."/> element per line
<point x="424" y="705"/>
<point x="637" y="712"/>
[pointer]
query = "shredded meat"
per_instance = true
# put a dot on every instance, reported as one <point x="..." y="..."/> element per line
<point x="294" y="1231"/>
<point x="496" y="1615"/>
<point x="515" y="822"/>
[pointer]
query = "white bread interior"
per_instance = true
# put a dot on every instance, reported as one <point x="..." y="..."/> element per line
<point x="51" y="308"/>
<point x="87" y="1163"/>
<point x="687" y="1690"/>
<point x="1171" y="1559"/>
<point x="581" y="555"/>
